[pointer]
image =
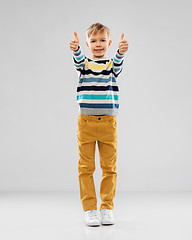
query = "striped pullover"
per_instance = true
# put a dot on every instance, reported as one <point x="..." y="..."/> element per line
<point x="97" y="90"/>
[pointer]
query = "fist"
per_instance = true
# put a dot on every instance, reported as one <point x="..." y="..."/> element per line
<point x="74" y="44"/>
<point x="123" y="45"/>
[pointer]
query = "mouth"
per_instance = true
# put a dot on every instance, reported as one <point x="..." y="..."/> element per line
<point x="98" y="50"/>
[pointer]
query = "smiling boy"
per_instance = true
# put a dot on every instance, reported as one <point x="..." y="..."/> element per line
<point x="98" y="98"/>
<point x="98" y="44"/>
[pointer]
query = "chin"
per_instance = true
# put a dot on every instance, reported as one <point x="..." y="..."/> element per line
<point x="101" y="55"/>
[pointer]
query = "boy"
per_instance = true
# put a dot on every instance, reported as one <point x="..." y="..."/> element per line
<point x="97" y="95"/>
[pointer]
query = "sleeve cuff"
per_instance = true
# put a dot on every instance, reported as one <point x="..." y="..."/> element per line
<point x="77" y="51"/>
<point x="120" y="55"/>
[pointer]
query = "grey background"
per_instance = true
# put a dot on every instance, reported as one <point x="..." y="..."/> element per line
<point x="38" y="109"/>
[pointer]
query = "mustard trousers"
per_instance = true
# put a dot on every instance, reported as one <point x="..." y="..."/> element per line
<point x="102" y="129"/>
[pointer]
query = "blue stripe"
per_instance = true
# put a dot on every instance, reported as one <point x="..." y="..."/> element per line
<point x="79" y="65"/>
<point x="116" y="60"/>
<point x="98" y="88"/>
<point x="117" y="70"/>
<point x="79" y="58"/>
<point x="90" y="105"/>
<point x="98" y="97"/>
<point x="98" y="80"/>
<point x="77" y="53"/>
<point x="119" y="56"/>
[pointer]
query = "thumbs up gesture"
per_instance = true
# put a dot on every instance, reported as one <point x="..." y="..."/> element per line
<point x="74" y="44"/>
<point x="123" y="45"/>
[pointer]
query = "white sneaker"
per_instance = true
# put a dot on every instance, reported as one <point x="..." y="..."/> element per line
<point x="107" y="217"/>
<point x="91" y="218"/>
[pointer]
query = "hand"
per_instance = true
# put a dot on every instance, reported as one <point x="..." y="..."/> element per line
<point x="74" y="44"/>
<point x="123" y="45"/>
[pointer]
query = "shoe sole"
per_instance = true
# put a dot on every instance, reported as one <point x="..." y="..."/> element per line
<point x="107" y="224"/>
<point x="93" y="225"/>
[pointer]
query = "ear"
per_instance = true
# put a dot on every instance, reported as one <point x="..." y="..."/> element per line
<point x="109" y="43"/>
<point x="87" y="45"/>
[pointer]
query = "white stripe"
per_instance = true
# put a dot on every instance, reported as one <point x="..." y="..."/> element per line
<point x="97" y="70"/>
<point x="98" y="76"/>
<point x="97" y="101"/>
<point x="97" y="84"/>
<point x="98" y="93"/>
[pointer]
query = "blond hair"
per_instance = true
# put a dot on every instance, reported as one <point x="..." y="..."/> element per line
<point x="97" y="27"/>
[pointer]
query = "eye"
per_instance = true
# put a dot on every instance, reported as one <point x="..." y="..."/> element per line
<point x="93" y="41"/>
<point x="103" y="40"/>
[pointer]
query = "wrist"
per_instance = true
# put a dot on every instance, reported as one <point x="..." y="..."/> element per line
<point x="120" y="52"/>
<point x="77" y="49"/>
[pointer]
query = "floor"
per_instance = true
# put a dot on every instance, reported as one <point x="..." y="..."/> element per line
<point x="59" y="215"/>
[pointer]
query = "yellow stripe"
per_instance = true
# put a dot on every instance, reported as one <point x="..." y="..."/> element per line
<point x="98" y="67"/>
<point x="109" y="64"/>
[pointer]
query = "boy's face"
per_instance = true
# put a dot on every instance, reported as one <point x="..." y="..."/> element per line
<point x="98" y="44"/>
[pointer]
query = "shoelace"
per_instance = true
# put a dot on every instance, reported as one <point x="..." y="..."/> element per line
<point x="106" y="212"/>
<point x="92" y="214"/>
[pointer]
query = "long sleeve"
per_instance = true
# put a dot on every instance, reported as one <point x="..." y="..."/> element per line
<point x="78" y="59"/>
<point x="118" y="63"/>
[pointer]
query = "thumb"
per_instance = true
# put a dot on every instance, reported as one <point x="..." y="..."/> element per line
<point x="76" y="37"/>
<point x="122" y="36"/>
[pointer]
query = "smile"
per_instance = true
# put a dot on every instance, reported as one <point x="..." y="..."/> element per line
<point x="98" y="50"/>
